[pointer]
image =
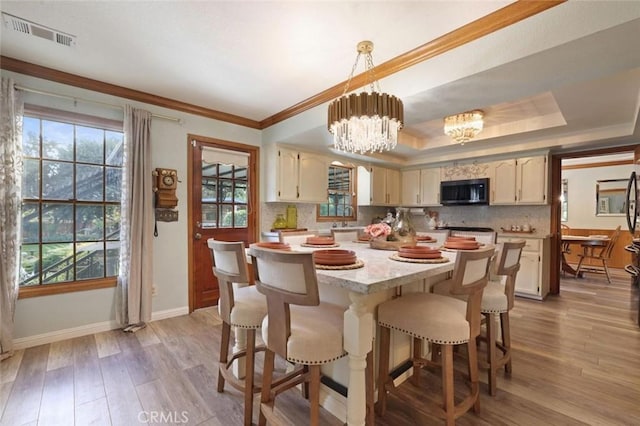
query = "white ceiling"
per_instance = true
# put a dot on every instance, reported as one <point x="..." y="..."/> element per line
<point x="568" y="78"/>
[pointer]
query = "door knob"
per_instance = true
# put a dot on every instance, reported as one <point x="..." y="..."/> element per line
<point x="198" y="236"/>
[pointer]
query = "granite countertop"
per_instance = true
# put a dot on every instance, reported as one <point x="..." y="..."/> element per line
<point x="379" y="273"/>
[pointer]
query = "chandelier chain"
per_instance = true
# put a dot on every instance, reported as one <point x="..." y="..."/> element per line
<point x="353" y="70"/>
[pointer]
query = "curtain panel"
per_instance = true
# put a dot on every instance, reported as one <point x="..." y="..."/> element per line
<point x="11" y="109"/>
<point x="135" y="280"/>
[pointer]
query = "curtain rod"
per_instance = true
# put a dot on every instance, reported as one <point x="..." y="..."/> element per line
<point x="76" y="99"/>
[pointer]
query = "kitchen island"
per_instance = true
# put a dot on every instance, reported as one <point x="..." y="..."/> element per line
<point x="360" y="291"/>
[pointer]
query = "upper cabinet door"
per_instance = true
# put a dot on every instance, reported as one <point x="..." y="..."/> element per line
<point x="430" y="187"/>
<point x="287" y="175"/>
<point x="378" y="186"/>
<point x="411" y="188"/>
<point x="532" y="180"/>
<point x="313" y="180"/>
<point x="503" y="183"/>
<point x="393" y="187"/>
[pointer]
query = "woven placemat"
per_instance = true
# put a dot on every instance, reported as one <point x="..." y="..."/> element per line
<point x="361" y="241"/>
<point x="409" y="260"/>
<point x="334" y="245"/>
<point x="359" y="264"/>
<point x="455" y="250"/>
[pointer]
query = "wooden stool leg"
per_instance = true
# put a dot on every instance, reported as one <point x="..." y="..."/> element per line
<point x="417" y="354"/>
<point x="506" y="339"/>
<point x="369" y="384"/>
<point x="383" y="369"/>
<point x="491" y="352"/>
<point x="447" y="384"/>
<point x="473" y="375"/>
<point x="267" y="378"/>
<point x="248" y="378"/>
<point x="305" y="385"/>
<point x="224" y="353"/>
<point x="314" y="395"/>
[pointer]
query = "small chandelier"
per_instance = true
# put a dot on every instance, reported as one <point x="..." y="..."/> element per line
<point x="367" y="121"/>
<point x="465" y="126"/>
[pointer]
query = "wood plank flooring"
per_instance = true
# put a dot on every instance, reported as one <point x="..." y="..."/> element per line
<point x="576" y="361"/>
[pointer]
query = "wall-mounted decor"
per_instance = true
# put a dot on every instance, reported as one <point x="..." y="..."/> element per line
<point x="611" y="197"/>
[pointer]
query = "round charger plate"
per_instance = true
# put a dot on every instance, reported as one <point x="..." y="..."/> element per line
<point x="398" y="258"/>
<point x="359" y="264"/>
<point x="320" y="245"/>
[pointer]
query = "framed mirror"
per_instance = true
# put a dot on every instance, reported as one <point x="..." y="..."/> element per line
<point x="611" y="197"/>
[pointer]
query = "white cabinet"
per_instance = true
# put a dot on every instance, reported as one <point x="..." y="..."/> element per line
<point x="384" y="187"/>
<point x="421" y="187"/>
<point x="532" y="280"/>
<point x="298" y="176"/>
<point x="520" y="181"/>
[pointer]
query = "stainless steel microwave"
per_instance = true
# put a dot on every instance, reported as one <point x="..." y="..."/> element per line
<point x="463" y="192"/>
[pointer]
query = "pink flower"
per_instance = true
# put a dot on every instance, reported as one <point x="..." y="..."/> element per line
<point x="378" y="229"/>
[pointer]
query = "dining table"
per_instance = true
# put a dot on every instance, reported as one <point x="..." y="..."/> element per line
<point x="587" y="241"/>
<point x="360" y="290"/>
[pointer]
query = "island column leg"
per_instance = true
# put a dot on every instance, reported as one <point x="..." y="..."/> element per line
<point x="358" y="337"/>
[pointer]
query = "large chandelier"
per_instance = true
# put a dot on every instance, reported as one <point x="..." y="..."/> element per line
<point x="465" y="126"/>
<point x="367" y="121"/>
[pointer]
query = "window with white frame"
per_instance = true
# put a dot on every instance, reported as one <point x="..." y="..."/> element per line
<point x="71" y="190"/>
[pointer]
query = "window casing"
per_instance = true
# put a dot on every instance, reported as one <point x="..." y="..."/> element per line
<point x="71" y="190"/>
<point x="341" y="204"/>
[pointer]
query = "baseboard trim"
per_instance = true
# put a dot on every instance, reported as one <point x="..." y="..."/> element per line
<point x="84" y="330"/>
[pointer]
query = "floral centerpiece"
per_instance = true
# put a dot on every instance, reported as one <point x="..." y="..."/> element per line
<point x="384" y="237"/>
<point x="378" y="230"/>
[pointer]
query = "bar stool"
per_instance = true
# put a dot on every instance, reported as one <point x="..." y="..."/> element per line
<point x="442" y="320"/>
<point x="497" y="299"/>
<point x="298" y="327"/>
<point x="241" y="307"/>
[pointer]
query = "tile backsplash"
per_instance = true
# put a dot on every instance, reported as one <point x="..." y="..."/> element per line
<point x="495" y="217"/>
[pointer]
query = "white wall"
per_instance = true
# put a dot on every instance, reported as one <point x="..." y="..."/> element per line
<point x="47" y="314"/>
<point x="582" y="196"/>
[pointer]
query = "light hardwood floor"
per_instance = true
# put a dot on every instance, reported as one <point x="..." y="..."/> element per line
<point x="576" y="360"/>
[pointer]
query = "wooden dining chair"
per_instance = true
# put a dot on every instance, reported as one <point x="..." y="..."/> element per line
<point x="295" y="237"/>
<point x="445" y="322"/>
<point x="344" y="235"/>
<point x="598" y="254"/>
<point x="240" y="306"/>
<point x="298" y="327"/>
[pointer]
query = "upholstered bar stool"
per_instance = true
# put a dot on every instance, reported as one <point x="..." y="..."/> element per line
<point x="298" y="327"/>
<point x="497" y="299"/>
<point x="442" y="320"/>
<point x="242" y="307"/>
<point x="295" y="237"/>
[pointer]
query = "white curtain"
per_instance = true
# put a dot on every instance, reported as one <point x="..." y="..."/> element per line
<point x="10" y="200"/>
<point x="135" y="280"/>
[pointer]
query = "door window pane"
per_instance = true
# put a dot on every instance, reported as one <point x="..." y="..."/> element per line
<point x="210" y="170"/>
<point x="225" y="171"/>
<point x="240" y="173"/>
<point x="240" y="217"/>
<point x="89" y="183"/>
<point x="226" y="192"/>
<point x="57" y="180"/>
<point x="240" y="193"/>
<point x="209" y="190"/>
<point x="209" y="216"/>
<point x="226" y="216"/>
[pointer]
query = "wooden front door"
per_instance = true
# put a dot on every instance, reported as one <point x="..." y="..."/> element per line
<point x="222" y="203"/>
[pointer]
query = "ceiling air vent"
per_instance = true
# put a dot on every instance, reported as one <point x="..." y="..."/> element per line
<point x="31" y="28"/>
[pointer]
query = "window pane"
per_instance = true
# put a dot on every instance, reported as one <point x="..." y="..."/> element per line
<point x="31" y="137"/>
<point x="57" y="180"/>
<point x="89" y="223"/>
<point x="225" y="171"/>
<point x="209" y="215"/>
<point x="241" y="173"/>
<point x="226" y="216"/>
<point x="31" y="179"/>
<point x="57" y="222"/>
<point x="226" y="193"/>
<point x="240" y="217"/>
<point x="57" y="140"/>
<point x="209" y="190"/>
<point x="113" y="259"/>
<point x="30" y="223"/>
<point x="112" y="222"/>
<point x="209" y="170"/>
<point x="57" y="263"/>
<point x="114" y="184"/>
<point x="89" y="183"/>
<point x="240" y="193"/>
<point x="89" y="260"/>
<point x="114" y="144"/>
<point x="89" y="145"/>
<point x="29" y="264"/>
